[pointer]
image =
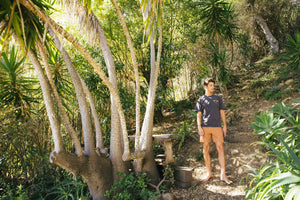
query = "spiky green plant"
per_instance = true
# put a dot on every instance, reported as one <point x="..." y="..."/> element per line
<point x="16" y="88"/>
<point x="280" y="130"/>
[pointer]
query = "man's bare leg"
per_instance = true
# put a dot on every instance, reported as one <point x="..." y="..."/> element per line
<point x="207" y="161"/>
<point x="221" y="154"/>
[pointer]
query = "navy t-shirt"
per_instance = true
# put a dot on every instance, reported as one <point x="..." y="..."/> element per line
<point x="210" y="107"/>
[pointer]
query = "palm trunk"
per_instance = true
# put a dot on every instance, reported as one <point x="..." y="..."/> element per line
<point x="89" y="144"/>
<point x="116" y="142"/>
<point x="64" y="116"/>
<point x="98" y="130"/>
<point x="54" y="124"/>
<point x="138" y="162"/>
<point x="136" y="73"/>
<point x="95" y="170"/>
<point x="274" y="45"/>
<point x="31" y="7"/>
<point x="146" y="136"/>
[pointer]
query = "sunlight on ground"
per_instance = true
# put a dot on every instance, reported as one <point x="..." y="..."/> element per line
<point x="227" y="190"/>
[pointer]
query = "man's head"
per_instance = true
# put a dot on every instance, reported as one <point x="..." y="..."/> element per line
<point x="208" y="80"/>
<point x="209" y="85"/>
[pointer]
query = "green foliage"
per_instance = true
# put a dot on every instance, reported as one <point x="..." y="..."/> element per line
<point x="218" y="16"/>
<point x="16" y="89"/>
<point x="180" y="106"/>
<point x="157" y="148"/>
<point x="218" y="61"/>
<point x="69" y="189"/>
<point x="18" y="194"/>
<point x="281" y="134"/>
<point x="291" y="53"/>
<point x="183" y="133"/>
<point x="168" y="173"/>
<point x="275" y="92"/>
<point x="244" y="45"/>
<point x="24" y="160"/>
<point x="199" y="155"/>
<point x="61" y="78"/>
<point x="132" y="186"/>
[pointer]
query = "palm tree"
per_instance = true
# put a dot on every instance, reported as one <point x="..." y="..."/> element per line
<point x="219" y="25"/>
<point x="88" y="163"/>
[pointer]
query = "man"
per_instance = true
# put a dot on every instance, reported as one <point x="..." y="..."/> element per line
<point x="210" y="111"/>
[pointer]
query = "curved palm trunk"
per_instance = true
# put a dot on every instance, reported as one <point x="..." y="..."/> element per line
<point x="89" y="144"/>
<point x="138" y="162"/>
<point x="98" y="130"/>
<point x="116" y="142"/>
<point x="31" y="7"/>
<point x="136" y="73"/>
<point x="274" y="45"/>
<point x="95" y="170"/>
<point x="146" y="136"/>
<point x="54" y="124"/>
<point x="63" y="113"/>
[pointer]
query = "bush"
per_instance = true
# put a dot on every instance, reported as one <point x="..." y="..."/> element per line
<point x="132" y="186"/>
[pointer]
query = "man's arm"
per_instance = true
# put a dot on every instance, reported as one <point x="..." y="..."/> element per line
<point x="200" y="130"/>
<point x="223" y="118"/>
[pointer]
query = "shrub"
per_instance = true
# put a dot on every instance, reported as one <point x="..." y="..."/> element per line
<point x="132" y="186"/>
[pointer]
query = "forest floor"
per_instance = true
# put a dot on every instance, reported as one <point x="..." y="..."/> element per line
<point x="239" y="145"/>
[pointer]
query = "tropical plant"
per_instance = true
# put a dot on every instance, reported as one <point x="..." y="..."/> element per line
<point x="280" y="130"/>
<point x="291" y="53"/>
<point x="26" y="14"/>
<point x="132" y="186"/>
<point x="16" y="88"/>
<point x="219" y="25"/>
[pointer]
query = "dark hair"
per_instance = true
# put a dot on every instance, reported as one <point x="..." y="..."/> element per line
<point x="208" y="80"/>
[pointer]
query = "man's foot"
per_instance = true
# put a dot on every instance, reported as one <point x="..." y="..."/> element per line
<point x="226" y="180"/>
<point x="206" y="178"/>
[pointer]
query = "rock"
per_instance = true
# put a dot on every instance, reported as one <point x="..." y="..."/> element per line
<point x="234" y="151"/>
<point x="281" y="84"/>
<point x="167" y="196"/>
<point x="240" y="170"/>
<point x="256" y="75"/>
<point x="245" y="87"/>
<point x="289" y="82"/>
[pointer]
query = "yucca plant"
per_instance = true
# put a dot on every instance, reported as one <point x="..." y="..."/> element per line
<point x="292" y="52"/>
<point x="15" y="88"/>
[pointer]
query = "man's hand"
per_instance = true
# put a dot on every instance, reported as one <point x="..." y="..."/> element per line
<point x="200" y="131"/>
<point x="225" y="131"/>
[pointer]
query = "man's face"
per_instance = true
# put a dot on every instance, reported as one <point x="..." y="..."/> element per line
<point x="210" y="87"/>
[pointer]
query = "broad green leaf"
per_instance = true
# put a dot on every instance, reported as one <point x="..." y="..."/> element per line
<point x="293" y="192"/>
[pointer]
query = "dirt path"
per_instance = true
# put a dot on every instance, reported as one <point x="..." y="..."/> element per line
<point x="240" y="151"/>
